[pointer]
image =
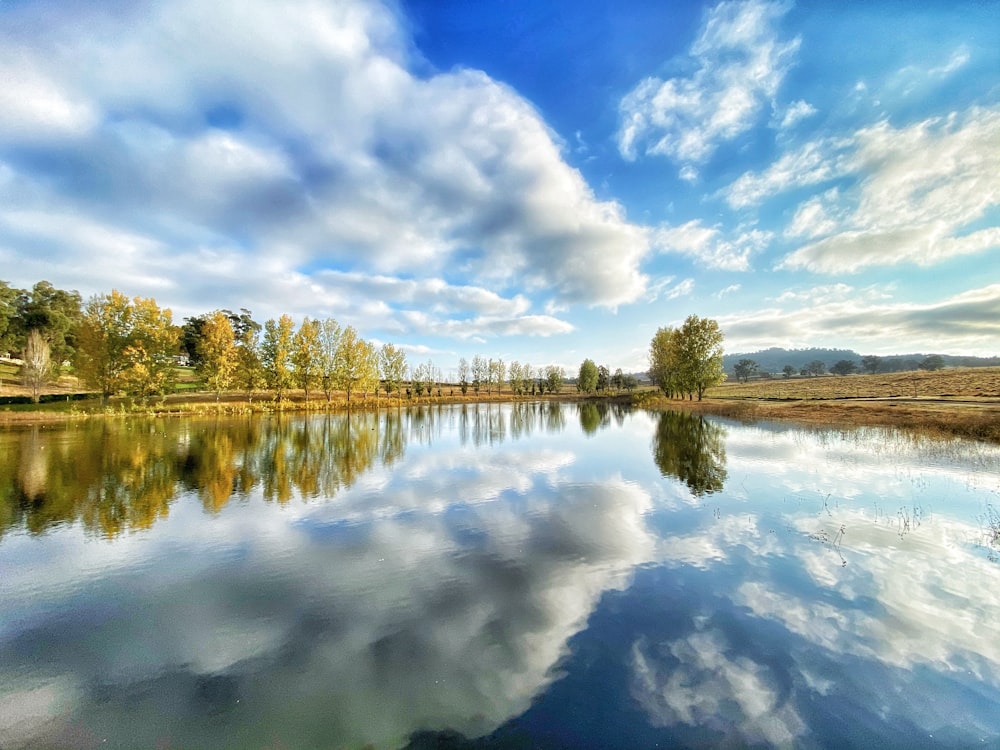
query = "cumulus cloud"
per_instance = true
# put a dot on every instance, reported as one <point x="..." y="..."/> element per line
<point x="968" y="322"/>
<point x="739" y="61"/>
<point x="710" y="246"/>
<point x="285" y="134"/>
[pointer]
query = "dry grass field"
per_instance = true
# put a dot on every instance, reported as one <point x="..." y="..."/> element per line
<point x="960" y="384"/>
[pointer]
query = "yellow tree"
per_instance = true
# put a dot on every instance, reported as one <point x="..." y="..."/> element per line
<point x="307" y="354"/>
<point x="329" y="341"/>
<point x="276" y="352"/>
<point x="101" y="342"/>
<point x="356" y="365"/>
<point x="217" y="353"/>
<point x="153" y="343"/>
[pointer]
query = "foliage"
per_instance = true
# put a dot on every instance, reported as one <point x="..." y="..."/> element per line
<point x="586" y="380"/>
<point x="788" y="371"/>
<point x="276" y="354"/>
<point x="356" y="366"/>
<point x="392" y="367"/>
<point x="871" y="363"/>
<point x="249" y="373"/>
<point x="844" y="367"/>
<point x="126" y="346"/>
<point x="932" y="363"/>
<point x="603" y="378"/>
<point x="554" y="377"/>
<point x="329" y="342"/>
<point x="480" y="373"/>
<point x="217" y="352"/>
<point x="307" y="355"/>
<point x="687" y="359"/>
<point x="463" y="375"/>
<point x="744" y="370"/>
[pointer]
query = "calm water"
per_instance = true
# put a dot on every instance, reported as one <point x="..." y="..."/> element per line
<point x="526" y="576"/>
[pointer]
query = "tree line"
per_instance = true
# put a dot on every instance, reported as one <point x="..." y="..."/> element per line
<point x="119" y="345"/>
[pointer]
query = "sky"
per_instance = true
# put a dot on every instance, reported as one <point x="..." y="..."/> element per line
<point x="536" y="181"/>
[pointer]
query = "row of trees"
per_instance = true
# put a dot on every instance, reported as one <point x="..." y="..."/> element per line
<point x="748" y="368"/>
<point x="598" y="378"/>
<point x="131" y="346"/>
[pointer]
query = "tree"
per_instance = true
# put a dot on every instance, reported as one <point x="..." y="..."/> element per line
<point x="356" y="367"/>
<point x="392" y="367"/>
<point x="8" y="313"/>
<point x="55" y="314"/>
<point x="603" y="378"/>
<point x="871" y="363"/>
<point x="480" y="373"/>
<point x="307" y="355"/>
<point x="744" y="369"/>
<point x="844" y="367"/>
<point x="249" y="372"/>
<point x="554" y="376"/>
<point x="788" y="371"/>
<point x="276" y="354"/>
<point x="126" y="345"/>
<point x="37" y="368"/>
<point x="498" y="372"/>
<point x="618" y="380"/>
<point x="463" y="375"/>
<point x="816" y="367"/>
<point x="217" y="352"/>
<point x="933" y="362"/>
<point x="586" y="381"/>
<point x="687" y="359"/>
<point x="329" y="341"/>
<point x="153" y="343"/>
<point x="664" y="364"/>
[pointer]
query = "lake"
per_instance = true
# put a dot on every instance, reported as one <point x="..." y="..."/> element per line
<point x="531" y="575"/>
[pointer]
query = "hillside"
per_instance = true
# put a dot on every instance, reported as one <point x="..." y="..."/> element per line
<point x="773" y="360"/>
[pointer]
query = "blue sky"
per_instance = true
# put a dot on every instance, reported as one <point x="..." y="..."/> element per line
<point x="542" y="182"/>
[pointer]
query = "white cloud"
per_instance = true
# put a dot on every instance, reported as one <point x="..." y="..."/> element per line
<point x="731" y="289"/>
<point x="709" y="246"/>
<point x="797" y="111"/>
<point x="837" y="315"/>
<point x="740" y="62"/>
<point x="812" y="217"/>
<point x="815" y="162"/>
<point x="287" y="132"/>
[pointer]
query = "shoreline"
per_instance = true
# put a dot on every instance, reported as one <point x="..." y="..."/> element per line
<point x="977" y="420"/>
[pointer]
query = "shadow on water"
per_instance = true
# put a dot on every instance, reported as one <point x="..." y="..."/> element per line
<point x="692" y="449"/>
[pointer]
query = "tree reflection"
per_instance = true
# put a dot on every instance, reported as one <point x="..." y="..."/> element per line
<point x="692" y="449"/>
<point x="117" y="476"/>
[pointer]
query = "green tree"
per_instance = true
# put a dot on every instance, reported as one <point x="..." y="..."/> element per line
<point x="37" y="369"/>
<point x="480" y="373"/>
<point x="54" y="313"/>
<point x="307" y="355"/>
<point x="217" y="352"/>
<point x="871" y="363"/>
<point x="554" y="376"/>
<point x="745" y="369"/>
<point x="8" y="314"/>
<point x="700" y="348"/>
<point x="844" y="367"/>
<point x="603" y="378"/>
<point x="664" y="361"/>
<point x="933" y="362"/>
<point x="249" y="374"/>
<point x="586" y="379"/>
<point x="816" y="367"/>
<point x="618" y="380"/>
<point x="276" y="354"/>
<point x="788" y="371"/>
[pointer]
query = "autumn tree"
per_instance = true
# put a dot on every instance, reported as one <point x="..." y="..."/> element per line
<point x="276" y="354"/>
<point x="586" y="380"/>
<point x="307" y="355"/>
<point x="480" y="373"/>
<point x="329" y="342"/>
<point x="217" y="352"/>
<point x="356" y="366"/>
<point x="36" y="369"/>
<point x="126" y="345"/>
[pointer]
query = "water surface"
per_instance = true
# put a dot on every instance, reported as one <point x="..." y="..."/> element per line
<point x="528" y="575"/>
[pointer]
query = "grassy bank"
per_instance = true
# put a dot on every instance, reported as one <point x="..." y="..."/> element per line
<point x="951" y="403"/>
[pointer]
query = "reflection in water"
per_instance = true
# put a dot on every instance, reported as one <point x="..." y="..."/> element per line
<point x="692" y="449"/>
<point x="474" y="579"/>
<point x="119" y="476"/>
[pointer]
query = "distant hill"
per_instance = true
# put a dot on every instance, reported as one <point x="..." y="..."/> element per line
<point x="773" y="360"/>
